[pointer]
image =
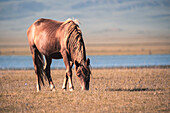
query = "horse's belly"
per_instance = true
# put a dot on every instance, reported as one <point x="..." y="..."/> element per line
<point x="56" y="55"/>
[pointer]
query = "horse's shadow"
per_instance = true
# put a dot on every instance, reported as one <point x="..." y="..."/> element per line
<point x="132" y="90"/>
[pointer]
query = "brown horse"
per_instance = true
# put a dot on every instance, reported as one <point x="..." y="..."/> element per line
<point x="57" y="40"/>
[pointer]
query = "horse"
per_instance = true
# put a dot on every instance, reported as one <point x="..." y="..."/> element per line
<point x="50" y="39"/>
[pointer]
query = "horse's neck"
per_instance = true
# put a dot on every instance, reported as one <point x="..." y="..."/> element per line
<point x="75" y="43"/>
<point x="79" y="54"/>
<point x="77" y="50"/>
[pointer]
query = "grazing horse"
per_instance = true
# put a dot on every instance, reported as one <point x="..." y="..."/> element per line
<point x="56" y="40"/>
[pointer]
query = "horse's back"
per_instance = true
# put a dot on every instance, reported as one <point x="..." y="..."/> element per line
<point x="43" y="25"/>
<point x="47" y="23"/>
<point x="46" y="35"/>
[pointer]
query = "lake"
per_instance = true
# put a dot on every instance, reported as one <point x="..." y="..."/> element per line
<point x="25" y="62"/>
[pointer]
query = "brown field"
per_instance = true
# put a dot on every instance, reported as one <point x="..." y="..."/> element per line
<point x="100" y="49"/>
<point x="111" y="90"/>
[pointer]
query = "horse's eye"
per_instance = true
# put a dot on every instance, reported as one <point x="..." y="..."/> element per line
<point x="78" y="75"/>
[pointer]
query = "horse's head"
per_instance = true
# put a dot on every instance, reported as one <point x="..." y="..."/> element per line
<point x="83" y="72"/>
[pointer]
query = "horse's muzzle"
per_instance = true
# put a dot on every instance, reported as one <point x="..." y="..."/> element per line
<point x="86" y="87"/>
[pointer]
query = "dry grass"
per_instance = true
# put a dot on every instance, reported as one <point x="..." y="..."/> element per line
<point x="100" y="49"/>
<point x="111" y="90"/>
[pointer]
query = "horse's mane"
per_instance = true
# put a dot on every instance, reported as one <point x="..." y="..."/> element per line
<point x="75" y="44"/>
<point x="73" y="20"/>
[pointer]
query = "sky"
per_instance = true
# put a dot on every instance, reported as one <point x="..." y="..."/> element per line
<point x="100" y="20"/>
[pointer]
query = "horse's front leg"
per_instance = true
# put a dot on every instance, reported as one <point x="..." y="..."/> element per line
<point x="66" y="79"/>
<point x="65" y="82"/>
<point x="68" y="76"/>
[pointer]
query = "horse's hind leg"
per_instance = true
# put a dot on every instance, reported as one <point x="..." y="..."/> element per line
<point x="48" y="74"/>
<point x="37" y="69"/>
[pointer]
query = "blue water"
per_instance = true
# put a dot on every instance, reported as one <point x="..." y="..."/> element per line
<point x="25" y="62"/>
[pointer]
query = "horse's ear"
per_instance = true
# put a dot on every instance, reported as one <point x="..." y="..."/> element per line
<point x="76" y="65"/>
<point x="88" y="62"/>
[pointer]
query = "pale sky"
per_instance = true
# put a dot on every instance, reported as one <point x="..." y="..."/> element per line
<point x="100" y="19"/>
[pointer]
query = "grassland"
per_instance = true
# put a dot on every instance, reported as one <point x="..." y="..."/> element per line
<point x="100" y="49"/>
<point x="111" y="90"/>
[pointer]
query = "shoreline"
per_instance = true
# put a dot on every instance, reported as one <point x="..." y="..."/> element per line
<point x="92" y="54"/>
<point x="139" y="67"/>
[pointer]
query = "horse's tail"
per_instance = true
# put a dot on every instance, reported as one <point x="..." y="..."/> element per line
<point x="39" y="62"/>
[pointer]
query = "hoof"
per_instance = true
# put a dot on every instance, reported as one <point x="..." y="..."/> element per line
<point x="38" y="88"/>
<point x="53" y="90"/>
<point x="71" y="89"/>
<point x="52" y="87"/>
<point x="64" y="88"/>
